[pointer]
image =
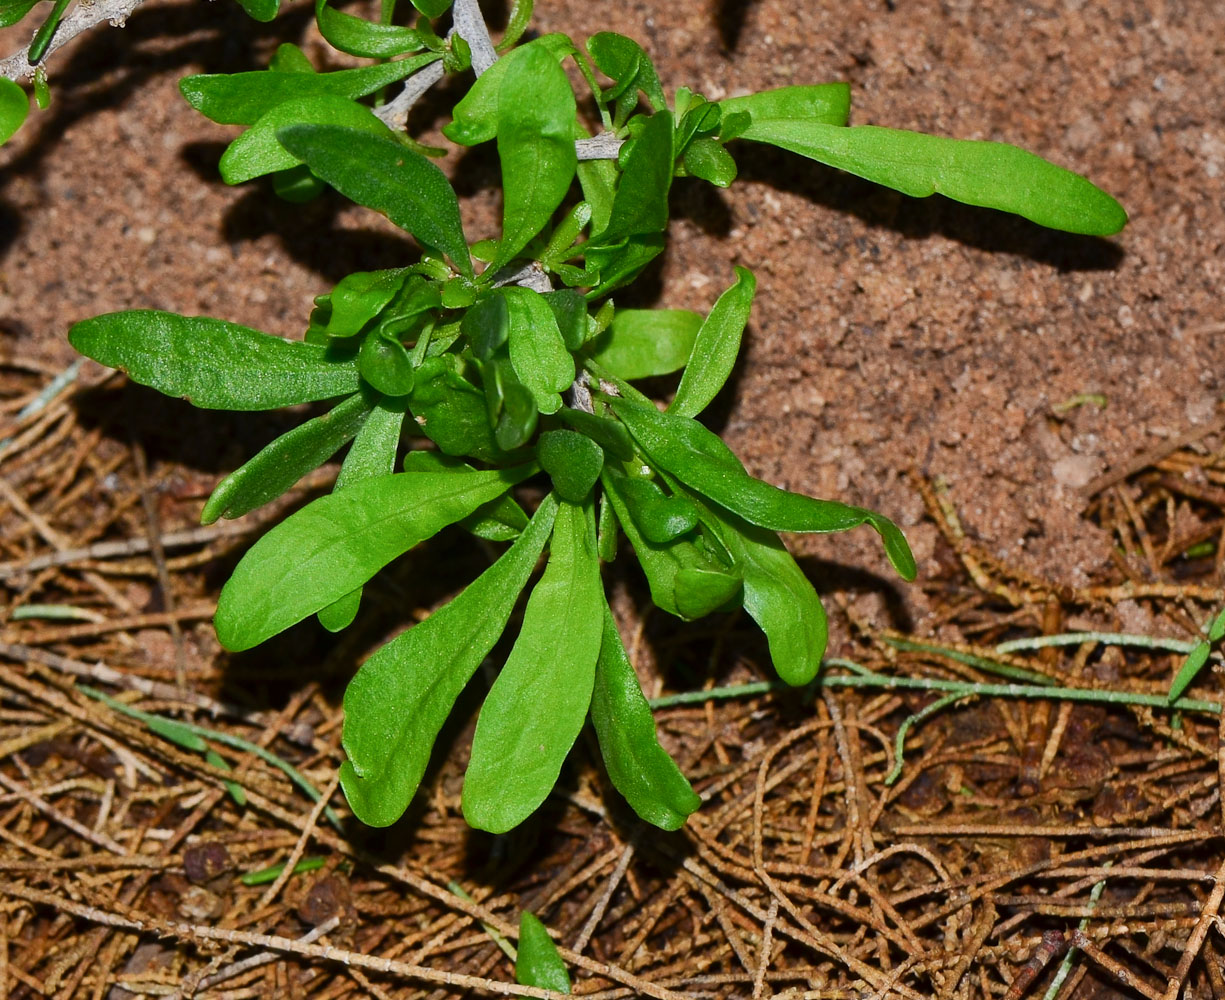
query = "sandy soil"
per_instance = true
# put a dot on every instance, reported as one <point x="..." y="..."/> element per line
<point x="888" y="333"/>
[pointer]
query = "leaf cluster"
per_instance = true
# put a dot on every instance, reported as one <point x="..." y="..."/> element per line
<point x="478" y="367"/>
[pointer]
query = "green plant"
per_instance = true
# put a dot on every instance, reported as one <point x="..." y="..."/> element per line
<point x="520" y="371"/>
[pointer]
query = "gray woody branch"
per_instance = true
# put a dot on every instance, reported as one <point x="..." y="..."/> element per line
<point x="82" y="17"/>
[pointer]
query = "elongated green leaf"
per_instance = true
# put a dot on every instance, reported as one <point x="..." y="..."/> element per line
<point x="243" y="98"/>
<point x="791" y="107"/>
<point x="640" y="769"/>
<point x="500" y="520"/>
<point x="537" y="351"/>
<point x="640" y="206"/>
<point x="359" y="37"/>
<point x="373" y="452"/>
<point x="336" y="543"/>
<point x="401" y="696"/>
<point x="537" y="963"/>
<point x="777" y="594"/>
<point x="685" y="580"/>
<point x="14" y="107"/>
<point x="703" y="462"/>
<point x="257" y="151"/>
<point x="536" y="707"/>
<point x="640" y="343"/>
<point x="622" y="263"/>
<point x="286" y="460"/>
<point x="1190" y="668"/>
<point x="987" y="174"/>
<point x="432" y="8"/>
<point x="46" y="31"/>
<point x="1216" y="628"/>
<point x="211" y="363"/>
<point x="572" y="460"/>
<point x="716" y="347"/>
<point x="476" y="115"/>
<point x="385" y="175"/>
<point x="535" y="133"/>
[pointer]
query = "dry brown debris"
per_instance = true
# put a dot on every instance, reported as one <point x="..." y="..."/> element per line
<point x="1031" y="848"/>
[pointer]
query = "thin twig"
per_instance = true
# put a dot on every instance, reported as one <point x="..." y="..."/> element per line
<point x="83" y="17"/>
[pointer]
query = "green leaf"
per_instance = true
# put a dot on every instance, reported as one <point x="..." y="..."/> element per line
<point x="707" y="159"/>
<point x="260" y="10"/>
<point x="987" y="174"/>
<point x="14" y="107"/>
<point x="401" y="696"/>
<point x="704" y="463"/>
<point x="339" y="615"/>
<point x="572" y="460"/>
<point x="373" y="452"/>
<point x="500" y="520"/>
<point x="608" y="434"/>
<point x="624" y="60"/>
<point x="535" y="132"/>
<point x="244" y="98"/>
<point x="432" y="8"/>
<point x="475" y="117"/>
<point x="176" y="733"/>
<point x="12" y="11"/>
<point x="598" y="179"/>
<point x="1216" y="630"/>
<point x="486" y="325"/>
<point x="640" y="206"/>
<point x="570" y="311"/>
<point x="359" y="37"/>
<point x="385" y="363"/>
<point x="211" y="363"/>
<point x="297" y="185"/>
<point x="537" y="962"/>
<point x="282" y="463"/>
<point x="46" y="31"/>
<point x="257" y="151"/>
<point x="516" y="24"/>
<point x="1190" y="668"/>
<point x="511" y="406"/>
<point x="685" y="580"/>
<point x="772" y="111"/>
<point x="660" y="518"/>
<point x="336" y="543"/>
<point x="640" y="343"/>
<point x="287" y="58"/>
<point x="359" y="297"/>
<point x="606" y="531"/>
<point x="714" y="351"/>
<point x="537" y="351"/>
<point x="451" y="411"/>
<point x="778" y="596"/>
<point x="537" y="705"/>
<point x="622" y="263"/>
<point x="639" y="768"/>
<point x="383" y="174"/>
